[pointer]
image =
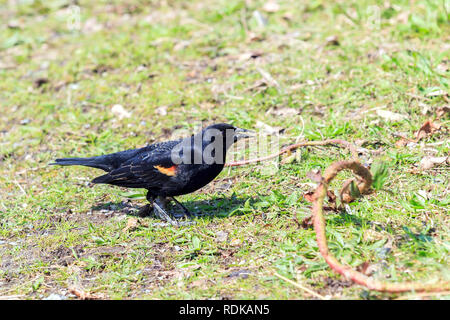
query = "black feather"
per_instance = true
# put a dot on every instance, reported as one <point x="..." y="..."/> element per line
<point x="87" y="162"/>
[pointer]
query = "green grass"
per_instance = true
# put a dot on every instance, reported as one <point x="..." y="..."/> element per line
<point x="193" y="59"/>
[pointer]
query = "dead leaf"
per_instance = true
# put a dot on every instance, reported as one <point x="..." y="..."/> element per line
<point x="307" y="222"/>
<point x="401" y="143"/>
<point x="162" y="111"/>
<point x="443" y="67"/>
<point x="81" y="294"/>
<point x="15" y="24"/>
<point x="424" y="108"/>
<point x="240" y="273"/>
<point x="181" y="45"/>
<point x="191" y="74"/>
<point x="268" y="78"/>
<point x="402" y="18"/>
<point x="366" y="268"/>
<point x="441" y="111"/>
<point x="200" y="283"/>
<point x="286" y="112"/>
<point x="428" y="128"/>
<point x="429" y="162"/>
<point x="291" y="158"/>
<point x="257" y="86"/>
<point x="268" y="129"/>
<point x="436" y="93"/>
<point x="372" y="235"/>
<point x="332" y="41"/>
<point x="331" y="198"/>
<point x="235" y="242"/>
<point x="101" y="69"/>
<point x="288" y="16"/>
<point x="261" y="20"/>
<point x="250" y="55"/>
<point x="92" y="25"/>
<point x="221" y="236"/>
<point x="132" y="224"/>
<point x="315" y="175"/>
<point x="309" y="196"/>
<point x="119" y="111"/>
<point x="271" y="6"/>
<point x="252" y="36"/>
<point x="40" y="82"/>
<point x="348" y="191"/>
<point x="424" y="194"/>
<point x="391" y="116"/>
<point x="226" y="253"/>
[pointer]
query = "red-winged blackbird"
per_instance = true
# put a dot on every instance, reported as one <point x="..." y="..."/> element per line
<point x="167" y="169"/>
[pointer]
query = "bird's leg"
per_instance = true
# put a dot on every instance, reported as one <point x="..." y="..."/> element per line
<point x="163" y="215"/>
<point x="186" y="211"/>
<point x="159" y="206"/>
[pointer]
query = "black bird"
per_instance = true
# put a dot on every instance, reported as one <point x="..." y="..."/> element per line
<point x="167" y="169"/>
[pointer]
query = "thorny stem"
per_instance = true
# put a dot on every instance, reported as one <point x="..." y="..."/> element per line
<point x="363" y="185"/>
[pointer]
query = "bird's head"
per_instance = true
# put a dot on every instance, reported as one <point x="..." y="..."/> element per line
<point x="210" y="145"/>
<point x="224" y="134"/>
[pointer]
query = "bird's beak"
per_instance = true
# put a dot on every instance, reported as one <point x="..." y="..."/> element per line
<point x="240" y="133"/>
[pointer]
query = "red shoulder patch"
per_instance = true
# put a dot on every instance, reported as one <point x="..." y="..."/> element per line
<point x="171" y="171"/>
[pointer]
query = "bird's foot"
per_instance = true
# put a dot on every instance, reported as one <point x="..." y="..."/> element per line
<point x="159" y="210"/>
<point x="145" y="211"/>
<point x="180" y="223"/>
<point x="161" y="224"/>
<point x="163" y="215"/>
<point x="186" y="212"/>
<point x="187" y="223"/>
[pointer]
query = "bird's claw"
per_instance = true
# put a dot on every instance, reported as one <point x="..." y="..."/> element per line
<point x="187" y="223"/>
<point x="179" y="224"/>
<point x="144" y="211"/>
<point x="163" y="215"/>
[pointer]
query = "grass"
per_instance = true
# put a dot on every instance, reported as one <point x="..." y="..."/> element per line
<point x="175" y="64"/>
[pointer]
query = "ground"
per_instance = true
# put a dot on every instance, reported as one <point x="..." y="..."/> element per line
<point x="97" y="77"/>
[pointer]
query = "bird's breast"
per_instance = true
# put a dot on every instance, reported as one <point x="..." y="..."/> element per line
<point x="194" y="177"/>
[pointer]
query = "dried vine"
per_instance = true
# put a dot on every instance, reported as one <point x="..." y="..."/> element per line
<point x="364" y="184"/>
<point x="292" y="147"/>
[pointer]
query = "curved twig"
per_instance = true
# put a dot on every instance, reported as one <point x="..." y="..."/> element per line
<point x="319" y="226"/>
<point x="291" y="147"/>
<point x="363" y="184"/>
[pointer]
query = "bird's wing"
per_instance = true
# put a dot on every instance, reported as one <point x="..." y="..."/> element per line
<point x="149" y="169"/>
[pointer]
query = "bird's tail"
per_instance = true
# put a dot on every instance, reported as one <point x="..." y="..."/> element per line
<point x="94" y="162"/>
